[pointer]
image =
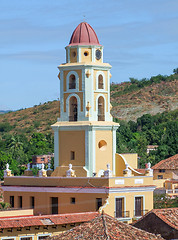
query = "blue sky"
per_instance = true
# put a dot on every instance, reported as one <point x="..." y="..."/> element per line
<point x="140" y="40"/>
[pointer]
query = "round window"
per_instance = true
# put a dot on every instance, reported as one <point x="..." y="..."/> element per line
<point x="102" y="145"/>
<point x="86" y="54"/>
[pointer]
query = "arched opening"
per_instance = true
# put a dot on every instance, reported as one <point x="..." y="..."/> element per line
<point x="73" y="110"/>
<point x="100" y="82"/>
<point x="101" y="114"/>
<point x="72" y="82"/>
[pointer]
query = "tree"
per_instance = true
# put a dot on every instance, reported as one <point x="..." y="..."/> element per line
<point x="175" y="71"/>
<point x="4" y="205"/>
<point x="164" y="201"/>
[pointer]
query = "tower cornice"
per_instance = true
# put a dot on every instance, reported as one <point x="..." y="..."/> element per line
<point x="84" y="64"/>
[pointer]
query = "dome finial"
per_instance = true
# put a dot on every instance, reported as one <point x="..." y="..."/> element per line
<point x="84" y="18"/>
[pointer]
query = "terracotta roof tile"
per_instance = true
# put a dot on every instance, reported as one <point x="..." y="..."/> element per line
<point x="105" y="227"/>
<point x="169" y="163"/>
<point x="140" y="170"/>
<point x="27" y="221"/>
<point x="168" y="215"/>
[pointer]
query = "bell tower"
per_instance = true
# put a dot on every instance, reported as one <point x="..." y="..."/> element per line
<point x="85" y="135"/>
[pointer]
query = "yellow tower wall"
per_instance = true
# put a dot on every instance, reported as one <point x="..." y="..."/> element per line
<point x="131" y="159"/>
<point x="72" y="141"/>
<point x="103" y="156"/>
<point x="87" y="58"/>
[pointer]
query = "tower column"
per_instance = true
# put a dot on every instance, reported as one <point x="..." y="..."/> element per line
<point x="91" y="151"/>
<point x="56" y="146"/>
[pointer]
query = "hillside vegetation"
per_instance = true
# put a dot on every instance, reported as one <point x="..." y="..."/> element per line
<point x="27" y="132"/>
<point x="132" y="99"/>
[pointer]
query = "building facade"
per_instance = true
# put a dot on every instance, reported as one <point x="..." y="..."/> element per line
<point x="88" y="173"/>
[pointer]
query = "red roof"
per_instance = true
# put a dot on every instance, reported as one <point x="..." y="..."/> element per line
<point x="167" y="215"/>
<point x="140" y="170"/>
<point x="84" y="35"/>
<point x="27" y="221"/>
<point x="105" y="227"/>
<point x="169" y="163"/>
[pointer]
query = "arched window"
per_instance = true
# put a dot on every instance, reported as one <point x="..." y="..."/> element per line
<point x="73" y="110"/>
<point x="101" y="114"/>
<point x="100" y="82"/>
<point x="72" y="81"/>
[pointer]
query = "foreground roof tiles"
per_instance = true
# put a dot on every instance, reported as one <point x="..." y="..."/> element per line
<point x="169" y="163"/>
<point x="105" y="227"/>
<point x="27" y="221"/>
<point x="167" y="215"/>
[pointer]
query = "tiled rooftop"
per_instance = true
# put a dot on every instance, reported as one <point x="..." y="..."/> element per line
<point x="44" y="220"/>
<point x="168" y="215"/>
<point x="169" y="163"/>
<point x="105" y="227"/>
<point x="140" y="170"/>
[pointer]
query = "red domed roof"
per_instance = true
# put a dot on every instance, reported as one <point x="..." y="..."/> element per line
<point x="84" y="35"/>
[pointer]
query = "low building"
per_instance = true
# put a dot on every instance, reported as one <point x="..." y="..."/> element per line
<point x="38" y="160"/>
<point x="27" y="227"/>
<point x="171" y="187"/>
<point x="104" y="227"/>
<point x="160" y="221"/>
<point x="151" y="148"/>
<point x="127" y="196"/>
<point x="166" y="169"/>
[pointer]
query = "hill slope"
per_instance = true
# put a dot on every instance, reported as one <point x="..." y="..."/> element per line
<point x="35" y="119"/>
<point x="129" y="103"/>
<point x="130" y="100"/>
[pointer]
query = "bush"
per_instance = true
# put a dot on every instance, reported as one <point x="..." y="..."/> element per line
<point x="5" y="127"/>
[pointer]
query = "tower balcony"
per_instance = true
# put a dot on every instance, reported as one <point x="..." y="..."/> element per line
<point x="73" y="118"/>
<point x="101" y="117"/>
<point x="72" y="85"/>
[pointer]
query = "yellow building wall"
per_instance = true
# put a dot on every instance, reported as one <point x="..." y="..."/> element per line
<point x="71" y="141"/>
<point x="104" y="156"/>
<point x="35" y="233"/>
<point x="73" y="58"/>
<point x="84" y="202"/>
<point x="131" y="159"/>
<point x="12" y="213"/>
<point x="54" y="182"/>
<point x="167" y="174"/>
<point x="159" y="182"/>
<point x="120" y="165"/>
<point x="129" y="202"/>
<point x="87" y="58"/>
<point x="79" y="171"/>
<point x="132" y="181"/>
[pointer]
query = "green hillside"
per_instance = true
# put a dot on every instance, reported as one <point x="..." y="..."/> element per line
<point x="147" y="111"/>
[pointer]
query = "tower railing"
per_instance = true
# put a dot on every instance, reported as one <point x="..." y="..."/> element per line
<point x="101" y="117"/>
<point x="100" y="85"/>
<point x="72" y="85"/>
<point x="122" y="214"/>
<point x="73" y="118"/>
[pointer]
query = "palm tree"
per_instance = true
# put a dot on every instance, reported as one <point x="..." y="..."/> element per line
<point x="4" y="205"/>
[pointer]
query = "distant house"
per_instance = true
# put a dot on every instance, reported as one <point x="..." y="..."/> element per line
<point x="171" y="187"/>
<point x="104" y="227"/>
<point x="151" y="148"/>
<point x="160" y="221"/>
<point x="166" y="169"/>
<point x="37" y="160"/>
